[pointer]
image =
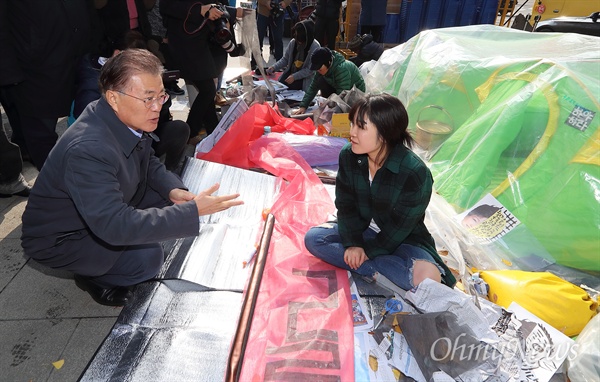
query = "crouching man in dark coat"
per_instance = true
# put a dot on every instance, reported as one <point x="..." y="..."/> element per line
<point x="103" y="201"/>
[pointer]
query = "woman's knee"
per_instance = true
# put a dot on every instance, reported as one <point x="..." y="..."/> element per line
<point x="310" y="238"/>
<point x="317" y="237"/>
<point x="423" y="269"/>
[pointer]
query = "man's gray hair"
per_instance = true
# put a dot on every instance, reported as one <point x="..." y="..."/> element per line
<point x="118" y="70"/>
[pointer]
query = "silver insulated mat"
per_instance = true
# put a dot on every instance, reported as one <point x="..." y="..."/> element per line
<point x="215" y="257"/>
<point x="172" y="331"/>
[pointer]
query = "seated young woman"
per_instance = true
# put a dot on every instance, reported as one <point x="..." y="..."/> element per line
<point x="382" y="191"/>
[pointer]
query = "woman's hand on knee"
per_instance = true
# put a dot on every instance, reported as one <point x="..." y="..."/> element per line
<point x="355" y="257"/>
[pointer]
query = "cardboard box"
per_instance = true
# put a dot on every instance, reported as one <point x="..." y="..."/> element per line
<point x="347" y="53"/>
<point x="340" y="125"/>
<point x="393" y="6"/>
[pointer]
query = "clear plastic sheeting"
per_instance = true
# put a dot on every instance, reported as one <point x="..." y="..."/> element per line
<point x="584" y="362"/>
<point x="172" y="331"/>
<point x="510" y="117"/>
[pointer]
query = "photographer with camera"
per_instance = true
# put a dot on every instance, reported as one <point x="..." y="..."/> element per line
<point x="271" y="13"/>
<point x="200" y="39"/>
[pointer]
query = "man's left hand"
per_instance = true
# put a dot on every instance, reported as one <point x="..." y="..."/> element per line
<point x="178" y="196"/>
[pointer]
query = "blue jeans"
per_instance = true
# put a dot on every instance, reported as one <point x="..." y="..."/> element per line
<point x="324" y="242"/>
<point x="262" y="23"/>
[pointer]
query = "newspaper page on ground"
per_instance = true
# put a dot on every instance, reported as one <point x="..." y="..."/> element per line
<point x="492" y="344"/>
<point x="362" y="320"/>
<point x="532" y="350"/>
<point x="235" y="111"/>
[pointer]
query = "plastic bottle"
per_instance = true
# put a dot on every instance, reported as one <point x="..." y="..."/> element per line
<point x="267" y="130"/>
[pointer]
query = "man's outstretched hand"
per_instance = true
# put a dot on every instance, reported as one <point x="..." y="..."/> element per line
<point x="209" y="204"/>
<point x="206" y="202"/>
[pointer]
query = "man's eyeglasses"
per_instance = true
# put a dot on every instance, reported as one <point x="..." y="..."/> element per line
<point x="150" y="101"/>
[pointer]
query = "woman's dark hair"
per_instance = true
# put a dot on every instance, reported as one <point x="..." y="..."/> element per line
<point x="118" y="70"/>
<point x="390" y="118"/>
<point x="303" y="33"/>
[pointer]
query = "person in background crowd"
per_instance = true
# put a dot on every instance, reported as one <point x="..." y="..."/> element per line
<point x="191" y="30"/>
<point x="334" y="75"/>
<point x="40" y="44"/>
<point x="296" y="63"/>
<point x="12" y="181"/>
<point x="271" y="14"/>
<point x="118" y="16"/>
<point x="103" y="202"/>
<point x="381" y="194"/>
<point x="240" y="50"/>
<point x="172" y="134"/>
<point x="372" y="18"/>
<point x="327" y="22"/>
<point x="365" y="48"/>
<point x="159" y="34"/>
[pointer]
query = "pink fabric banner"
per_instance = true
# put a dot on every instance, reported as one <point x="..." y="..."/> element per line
<point x="302" y="328"/>
<point x="232" y="148"/>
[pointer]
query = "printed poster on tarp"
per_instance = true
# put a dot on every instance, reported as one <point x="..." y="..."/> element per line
<point x="488" y="220"/>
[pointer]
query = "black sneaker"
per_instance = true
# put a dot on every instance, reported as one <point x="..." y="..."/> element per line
<point x="18" y="187"/>
<point x="173" y="89"/>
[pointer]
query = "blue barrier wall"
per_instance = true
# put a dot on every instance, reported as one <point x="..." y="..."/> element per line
<point x="418" y="15"/>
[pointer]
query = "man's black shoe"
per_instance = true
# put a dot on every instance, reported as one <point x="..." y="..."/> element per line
<point x="24" y="193"/>
<point x="17" y="187"/>
<point x="116" y="296"/>
<point x="173" y="89"/>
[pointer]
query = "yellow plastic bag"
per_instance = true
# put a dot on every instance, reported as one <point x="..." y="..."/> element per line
<point x="561" y="304"/>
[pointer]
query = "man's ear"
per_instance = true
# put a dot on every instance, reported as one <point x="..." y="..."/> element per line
<point x="112" y="97"/>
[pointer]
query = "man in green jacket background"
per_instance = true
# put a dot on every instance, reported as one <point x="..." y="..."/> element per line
<point x="334" y="74"/>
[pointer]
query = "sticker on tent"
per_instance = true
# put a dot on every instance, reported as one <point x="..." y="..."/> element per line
<point x="580" y="118"/>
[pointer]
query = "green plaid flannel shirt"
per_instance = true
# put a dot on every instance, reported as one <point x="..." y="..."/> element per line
<point x="396" y="200"/>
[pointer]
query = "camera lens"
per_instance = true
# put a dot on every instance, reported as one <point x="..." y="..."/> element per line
<point x="223" y="35"/>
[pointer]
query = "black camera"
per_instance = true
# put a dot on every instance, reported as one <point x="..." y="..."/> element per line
<point x="223" y="36"/>
<point x="276" y="9"/>
<point x="170" y="75"/>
